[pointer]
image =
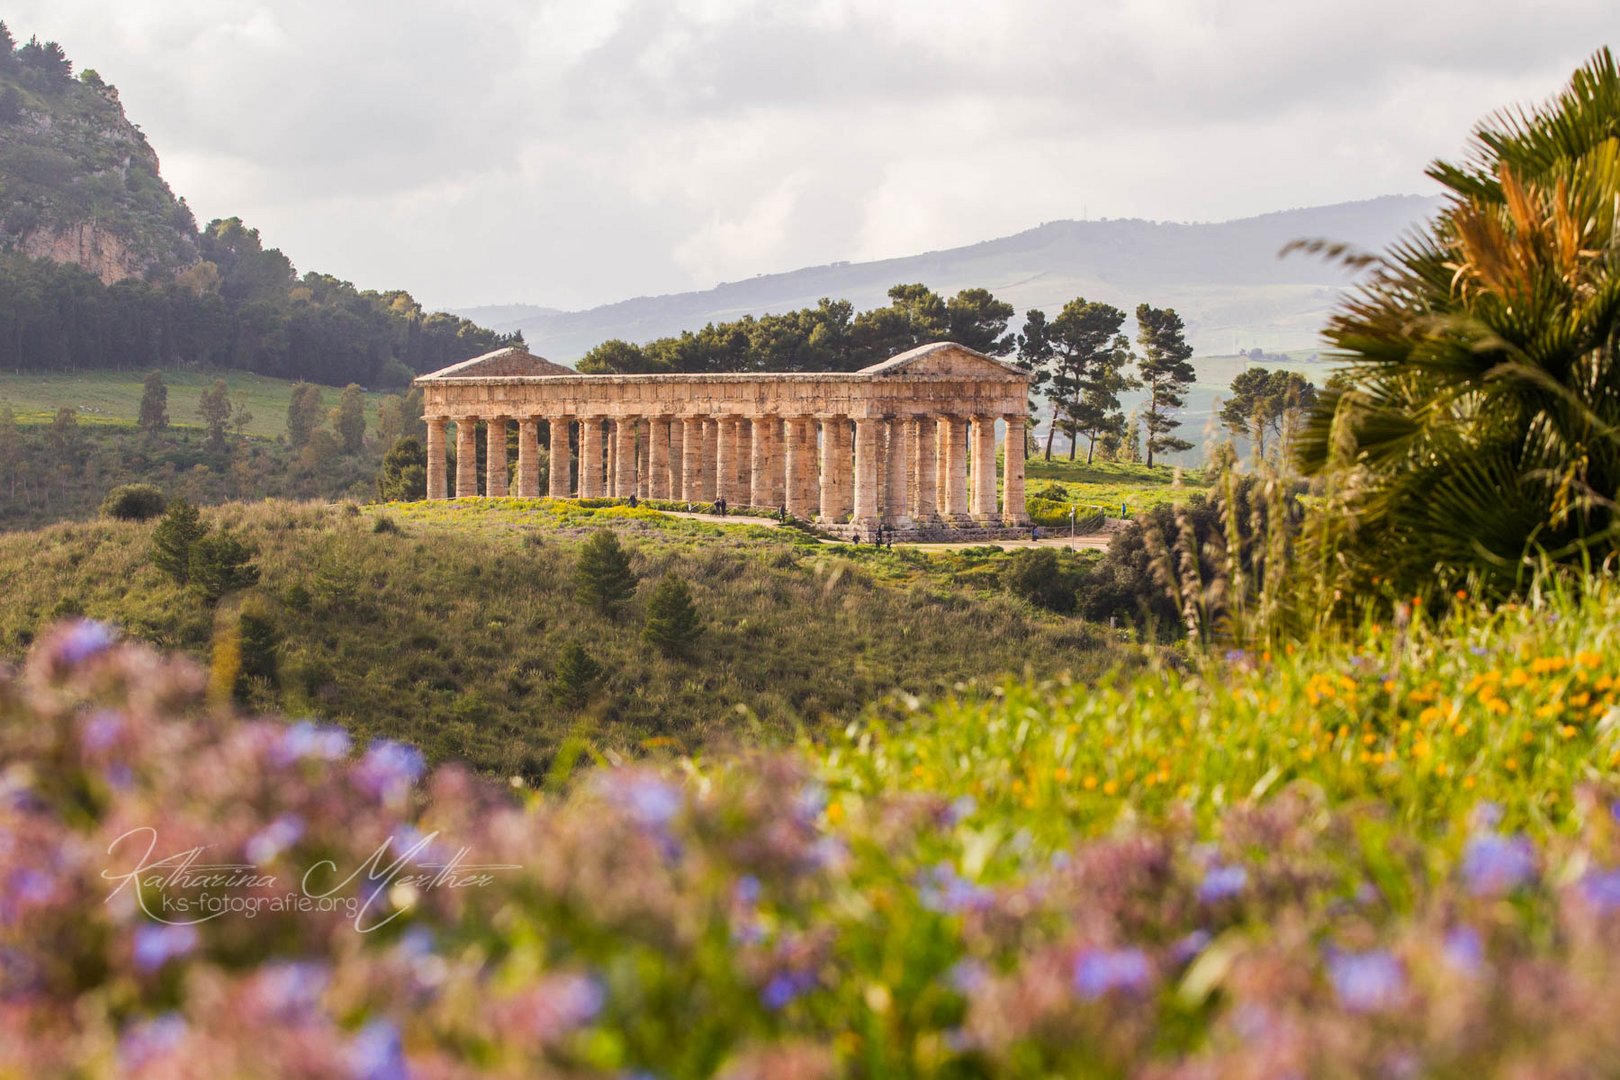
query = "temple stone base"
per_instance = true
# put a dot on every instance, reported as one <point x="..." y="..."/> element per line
<point x="935" y="532"/>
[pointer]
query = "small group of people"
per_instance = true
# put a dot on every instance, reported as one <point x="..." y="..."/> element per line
<point x="882" y="536"/>
<point x="720" y="506"/>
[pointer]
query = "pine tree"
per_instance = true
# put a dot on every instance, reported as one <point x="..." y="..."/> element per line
<point x="603" y="578"/>
<point x="1166" y="373"/>
<point x="673" y="623"/>
<point x="404" y="472"/>
<point x="575" y="677"/>
<point x="259" y="640"/>
<point x="1088" y="374"/>
<point x="154" y="416"/>
<point x="220" y="563"/>
<point x="1035" y="356"/>
<point x="174" y="538"/>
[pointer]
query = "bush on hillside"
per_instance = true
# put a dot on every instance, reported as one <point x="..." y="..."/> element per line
<point x="1045" y="577"/>
<point x="134" y="502"/>
<point x="576" y="676"/>
<point x="174" y="537"/>
<point x="220" y="564"/>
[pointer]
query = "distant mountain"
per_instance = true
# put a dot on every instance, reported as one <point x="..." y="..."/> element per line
<point x="1225" y="279"/>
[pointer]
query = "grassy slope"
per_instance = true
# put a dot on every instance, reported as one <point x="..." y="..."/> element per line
<point x="447" y="631"/>
<point x="114" y="397"/>
<point x="1105" y="485"/>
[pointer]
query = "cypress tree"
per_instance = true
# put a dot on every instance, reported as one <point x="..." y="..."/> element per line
<point x="603" y="578"/>
<point x="673" y="623"/>
<point x="220" y="563"/>
<point x="154" y="405"/>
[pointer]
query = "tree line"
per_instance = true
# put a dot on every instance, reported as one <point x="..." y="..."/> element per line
<point x="1080" y="362"/>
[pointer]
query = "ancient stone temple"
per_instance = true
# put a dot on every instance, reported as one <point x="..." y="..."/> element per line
<point x="909" y="443"/>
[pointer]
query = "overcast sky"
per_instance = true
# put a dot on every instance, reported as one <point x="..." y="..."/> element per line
<point x="574" y="152"/>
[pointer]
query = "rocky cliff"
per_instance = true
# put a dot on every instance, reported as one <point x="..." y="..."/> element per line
<point x="79" y="183"/>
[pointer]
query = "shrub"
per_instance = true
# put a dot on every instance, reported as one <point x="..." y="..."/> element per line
<point x="603" y="577"/>
<point x="260" y="642"/>
<point x="673" y="623"/>
<point x="134" y="502"/>
<point x="1045" y="577"/>
<point x="403" y="477"/>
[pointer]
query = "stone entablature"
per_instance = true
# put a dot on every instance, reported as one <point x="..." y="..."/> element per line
<point x="905" y="443"/>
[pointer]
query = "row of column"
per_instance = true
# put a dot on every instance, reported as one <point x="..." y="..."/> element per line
<point x="899" y="471"/>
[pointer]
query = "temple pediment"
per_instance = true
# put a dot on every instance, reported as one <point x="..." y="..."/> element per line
<point x="947" y="359"/>
<point x="511" y="362"/>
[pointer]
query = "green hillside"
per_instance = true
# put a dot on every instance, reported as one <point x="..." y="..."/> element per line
<point x="114" y="397"/>
<point x="444" y="623"/>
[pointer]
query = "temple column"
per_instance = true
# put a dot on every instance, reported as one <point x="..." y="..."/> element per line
<point x="495" y="469"/>
<point x="528" y="465"/>
<point x="692" y="459"/>
<point x="1014" y="446"/>
<point x="466" y="457"/>
<point x="610" y="479"/>
<point x="725" y="459"/>
<point x="674" y="437"/>
<point x="709" y="474"/>
<point x="658" y="457"/>
<point x="775" y="493"/>
<point x="983" y="500"/>
<point x="742" y="463"/>
<point x="868" y="472"/>
<point x="835" y="468"/>
<point x="762" y="450"/>
<point x="897" y="464"/>
<point x="925" y="469"/>
<point x="590" y="457"/>
<point x="643" y="450"/>
<point x="559" y="486"/>
<point x="954" y="469"/>
<point x="799" y="461"/>
<point x="624" y="457"/>
<point x="437" y="486"/>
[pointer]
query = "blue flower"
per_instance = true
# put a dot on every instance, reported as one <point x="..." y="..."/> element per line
<point x="100" y="730"/>
<point x="961" y="808"/>
<point x="1366" y="981"/>
<point x="1495" y="865"/>
<point x="1190" y="946"/>
<point x="377" y="1053"/>
<point x="1103" y="971"/>
<point x="1222" y="883"/>
<point x="652" y="802"/>
<point x="158" y="943"/>
<point x="389" y="768"/>
<point x="967" y="976"/>
<point x="150" y="1040"/>
<point x="294" y="988"/>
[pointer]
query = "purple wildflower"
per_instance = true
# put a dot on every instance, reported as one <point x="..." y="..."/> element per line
<point x="1464" y="950"/>
<point x="388" y="769"/>
<point x="1495" y="865"/>
<point x="158" y="943"/>
<point x="967" y="976"/>
<point x="1601" y="889"/>
<point x="961" y="808"/>
<point x="1222" y="883"/>
<point x="1190" y="946"/>
<point x="24" y="888"/>
<point x="149" y="1040"/>
<point x="81" y="640"/>
<point x="785" y="986"/>
<point x="293" y="989"/>
<point x="307" y="739"/>
<point x="377" y="1053"/>
<point x="942" y="889"/>
<point x="1366" y="981"/>
<point x="274" y="838"/>
<point x="652" y="801"/>
<point x="100" y="730"/>
<point x="1102" y="971"/>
